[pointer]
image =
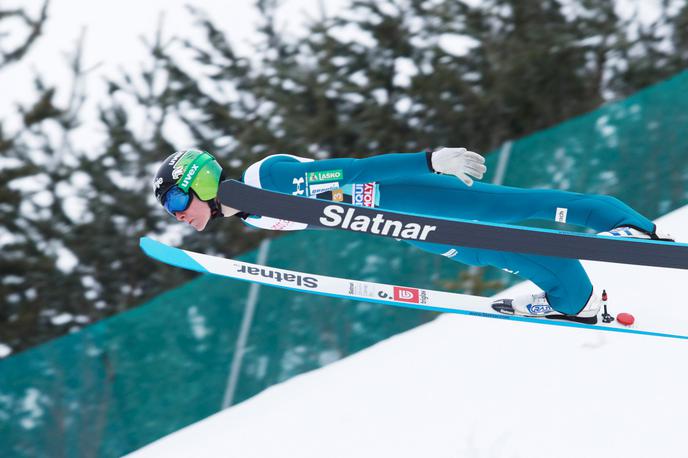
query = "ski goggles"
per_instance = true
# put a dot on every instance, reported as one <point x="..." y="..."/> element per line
<point x="176" y="200"/>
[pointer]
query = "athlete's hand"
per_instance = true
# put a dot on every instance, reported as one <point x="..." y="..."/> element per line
<point x="459" y="162"/>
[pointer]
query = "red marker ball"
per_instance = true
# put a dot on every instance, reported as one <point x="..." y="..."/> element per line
<point x="625" y="318"/>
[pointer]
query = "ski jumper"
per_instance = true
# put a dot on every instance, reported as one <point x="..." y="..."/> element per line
<point x="406" y="182"/>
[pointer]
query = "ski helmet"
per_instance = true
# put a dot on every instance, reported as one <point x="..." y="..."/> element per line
<point x="185" y="171"/>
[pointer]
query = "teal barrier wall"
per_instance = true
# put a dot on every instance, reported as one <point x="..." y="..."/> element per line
<point x="635" y="149"/>
<point x="126" y="381"/>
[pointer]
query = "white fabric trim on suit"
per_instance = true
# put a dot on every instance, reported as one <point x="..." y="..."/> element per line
<point x="252" y="177"/>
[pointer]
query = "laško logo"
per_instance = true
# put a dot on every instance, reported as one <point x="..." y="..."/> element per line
<point x="406" y="294"/>
<point x="325" y="175"/>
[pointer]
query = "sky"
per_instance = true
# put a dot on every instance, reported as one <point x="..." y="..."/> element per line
<point x="470" y="387"/>
<point x="114" y="34"/>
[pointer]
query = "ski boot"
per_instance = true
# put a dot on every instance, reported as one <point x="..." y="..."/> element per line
<point x="536" y="305"/>
<point x="634" y="233"/>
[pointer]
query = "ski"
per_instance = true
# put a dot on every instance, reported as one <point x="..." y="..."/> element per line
<point x="344" y="288"/>
<point x="455" y="232"/>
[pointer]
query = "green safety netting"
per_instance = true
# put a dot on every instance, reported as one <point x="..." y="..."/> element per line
<point x="635" y="149"/>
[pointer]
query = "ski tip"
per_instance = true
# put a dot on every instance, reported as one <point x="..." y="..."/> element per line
<point x="143" y="242"/>
<point x="169" y="255"/>
<point x="156" y="250"/>
<point x="148" y="245"/>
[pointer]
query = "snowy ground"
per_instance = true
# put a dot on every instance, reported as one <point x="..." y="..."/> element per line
<point x="473" y="387"/>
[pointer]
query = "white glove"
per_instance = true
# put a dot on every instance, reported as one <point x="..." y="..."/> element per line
<point x="459" y="162"/>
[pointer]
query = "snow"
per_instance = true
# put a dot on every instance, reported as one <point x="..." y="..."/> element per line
<point x="62" y="319"/>
<point x="198" y="324"/>
<point x="5" y="350"/>
<point x="471" y="387"/>
<point x="458" y="45"/>
<point x="31" y="408"/>
<point x="66" y="260"/>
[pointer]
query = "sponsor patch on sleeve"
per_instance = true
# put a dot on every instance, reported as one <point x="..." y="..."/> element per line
<point x="561" y="215"/>
<point x="315" y="189"/>
<point x="325" y="175"/>
<point x="365" y="195"/>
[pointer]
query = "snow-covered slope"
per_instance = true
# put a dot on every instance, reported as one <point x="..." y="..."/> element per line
<point x="472" y="387"/>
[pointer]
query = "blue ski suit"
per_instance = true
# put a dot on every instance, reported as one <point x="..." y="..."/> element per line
<point x="406" y="182"/>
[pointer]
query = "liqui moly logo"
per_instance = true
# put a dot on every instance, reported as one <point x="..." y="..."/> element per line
<point x="364" y="195"/>
<point x="402" y="294"/>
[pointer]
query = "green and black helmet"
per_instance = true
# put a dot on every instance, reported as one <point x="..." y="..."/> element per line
<point x="184" y="172"/>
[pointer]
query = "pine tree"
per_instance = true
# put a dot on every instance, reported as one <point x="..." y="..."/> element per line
<point x="36" y="282"/>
